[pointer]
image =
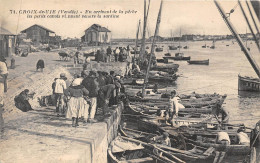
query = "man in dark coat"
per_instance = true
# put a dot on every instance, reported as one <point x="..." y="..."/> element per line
<point x="22" y="101"/>
<point x="91" y="84"/>
<point x="40" y="65"/>
<point x="110" y="78"/>
<point x="105" y="93"/>
<point x="109" y="53"/>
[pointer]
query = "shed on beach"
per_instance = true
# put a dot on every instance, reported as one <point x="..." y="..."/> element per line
<point x="38" y="34"/>
<point x="6" y="42"/>
<point x="97" y="35"/>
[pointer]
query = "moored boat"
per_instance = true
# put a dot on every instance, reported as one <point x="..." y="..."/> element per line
<point x="193" y="153"/>
<point x="199" y="62"/>
<point x="158" y="49"/>
<point x="248" y="84"/>
<point x="123" y="149"/>
<point x="178" y="57"/>
<point x="172" y="47"/>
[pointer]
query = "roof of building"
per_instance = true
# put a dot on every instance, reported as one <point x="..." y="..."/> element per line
<point x="23" y="31"/>
<point x="5" y="31"/>
<point x="99" y="28"/>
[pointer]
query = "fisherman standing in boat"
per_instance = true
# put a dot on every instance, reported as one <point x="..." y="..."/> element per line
<point x="224" y="114"/>
<point x="174" y="104"/>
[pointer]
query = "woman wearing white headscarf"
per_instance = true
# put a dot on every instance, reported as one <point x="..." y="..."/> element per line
<point x="77" y="105"/>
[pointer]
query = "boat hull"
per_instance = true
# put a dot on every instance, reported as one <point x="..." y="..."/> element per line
<point x="199" y="62"/>
<point x="178" y="58"/>
<point x="248" y="84"/>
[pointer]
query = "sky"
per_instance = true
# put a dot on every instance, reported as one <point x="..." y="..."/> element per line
<point x="191" y="16"/>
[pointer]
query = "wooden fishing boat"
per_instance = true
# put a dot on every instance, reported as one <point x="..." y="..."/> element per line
<point x="165" y="67"/>
<point x="199" y="62"/>
<point x="232" y="149"/>
<point x="162" y="60"/>
<point x="172" y="47"/>
<point x="158" y="49"/>
<point x="124" y="149"/>
<point x="187" y="103"/>
<point x="248" y="84"/>
<point x="181" y="120"/>
<point x="148" y="86"/>
<point x="178" y="57"/>
<point x="194" y="153"/>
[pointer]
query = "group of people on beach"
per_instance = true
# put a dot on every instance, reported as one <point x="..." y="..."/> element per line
<point x="119" y="54"/>
<point x="87" y="92"/>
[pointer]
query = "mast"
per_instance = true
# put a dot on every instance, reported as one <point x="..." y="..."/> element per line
<point x="249" y="6"/>
<point x="256" y="7"/>
<point x="142" y="51"/>
<point x="152" y="48"/>
<point x="180" y="41"/>
<point x="248" y="23"/>
<point x="136" y="40"/>
<point x="238" y="38"/>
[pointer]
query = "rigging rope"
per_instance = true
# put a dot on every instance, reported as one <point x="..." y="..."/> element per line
<point x="204" y="86"/>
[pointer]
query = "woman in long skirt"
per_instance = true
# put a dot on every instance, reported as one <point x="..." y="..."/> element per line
<point x="77" y="103"/>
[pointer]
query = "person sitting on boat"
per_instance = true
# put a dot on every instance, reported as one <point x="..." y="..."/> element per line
<point x="163" y="139"/>
<point x="242" y="137"/>
<point x="223" y="138"/>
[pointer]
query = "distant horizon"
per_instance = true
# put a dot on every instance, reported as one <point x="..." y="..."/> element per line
<point x="192" y="17"/>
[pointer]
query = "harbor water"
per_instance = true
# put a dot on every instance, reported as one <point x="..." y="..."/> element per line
<point x="226" y="62"/>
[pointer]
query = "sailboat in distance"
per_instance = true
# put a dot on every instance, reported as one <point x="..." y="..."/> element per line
<point x="172" y="47"/>
<point x="186" y="46"/>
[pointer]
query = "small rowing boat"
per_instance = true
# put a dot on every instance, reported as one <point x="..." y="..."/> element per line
<point x="199" y="62"/>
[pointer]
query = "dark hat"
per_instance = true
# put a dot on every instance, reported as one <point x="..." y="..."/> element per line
<point x="112" y="72"/>
<point x="26" y="90"/>
<point x="173" y="92"/>
<point x="63" y="76"/>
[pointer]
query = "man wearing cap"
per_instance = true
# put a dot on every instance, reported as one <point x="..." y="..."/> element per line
<point x="163" y="139"/>
<point x="60" y="87"/>
<point x="109" y="53"/>
<point x="91" y="84"/>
